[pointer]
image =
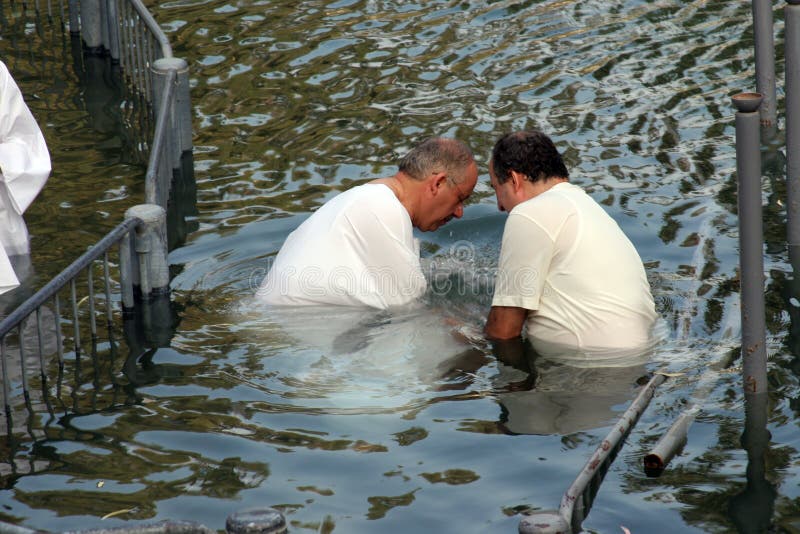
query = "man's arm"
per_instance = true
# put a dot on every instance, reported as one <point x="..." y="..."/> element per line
<point x="505" y="322"/>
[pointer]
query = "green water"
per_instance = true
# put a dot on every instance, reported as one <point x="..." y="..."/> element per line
<point x="357" y="422"/>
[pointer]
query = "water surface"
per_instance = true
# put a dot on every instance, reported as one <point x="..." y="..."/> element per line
<point x="365" y="422"/>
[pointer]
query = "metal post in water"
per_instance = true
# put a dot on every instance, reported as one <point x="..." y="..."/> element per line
<point x="181" y="115"/>
<point x="91" y="26"/>
<point x="92" y="318"/>
<point x="39" y="335"/>
<point x="765" y="60"/>
<point x="74" y="24"/>
<point x="103" y="14"/>
<point x="261" y="520"/>
<point x="75" y="322"/>
<point x="792" y="51"/>
<point x="57" y="327"/>
<point x="151" y="246"/>
<point x="112" y="19"/>
<point x="4" y="368"/>
<point x="107" y="288"/>
<point x="752" y="509"/>
<point x="128" y="271"/>
<point x="751" y="242"/>
<point x="670" y="443"/>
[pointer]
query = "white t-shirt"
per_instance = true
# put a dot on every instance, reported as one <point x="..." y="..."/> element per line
<point x="358" y="249"/>
<point x="24" y="169"/>
<point x="567" y="260"/>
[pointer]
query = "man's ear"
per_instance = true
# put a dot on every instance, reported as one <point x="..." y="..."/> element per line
<point x="517" y="178"/>
<point x="437" y="181"/>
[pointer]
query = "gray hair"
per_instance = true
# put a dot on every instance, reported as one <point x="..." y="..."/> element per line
<point x="437" y="154"/>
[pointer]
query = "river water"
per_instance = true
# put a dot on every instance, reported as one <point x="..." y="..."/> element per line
<point x="354" y="421"/>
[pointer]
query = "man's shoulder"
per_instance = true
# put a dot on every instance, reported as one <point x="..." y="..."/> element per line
<point x="365" y="204"/>
<point x="373" y="192"/>
<point x="557" y="199"/>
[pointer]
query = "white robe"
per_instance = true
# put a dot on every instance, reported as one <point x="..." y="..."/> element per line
<point x="24" y="169"/>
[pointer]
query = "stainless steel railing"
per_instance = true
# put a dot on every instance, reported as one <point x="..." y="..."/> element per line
<point x="19" y="320"/>
<point x="137" y="40"/>
<point x="128" y="32"/>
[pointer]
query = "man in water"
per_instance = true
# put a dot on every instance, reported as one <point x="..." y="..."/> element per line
<point x="567" y="273"/>
<point x="358" y="249"/>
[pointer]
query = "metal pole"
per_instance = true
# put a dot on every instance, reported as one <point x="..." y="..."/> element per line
<point x="57" y="326"/>
<point x="181" y="112"/>
<point x="128" y="272"/>
<point x="159" y="173"/>
<point x="4" y="368"/>
<point x="41" y="345"/>
<point x="151" y="245"/>
<point x="792" y="51"/>
<point x="765" y="59"/>
<point x="92" y="318"/>
<point x="74" y="24"/>
<point x="752" y="509"/>
<point x="262" y="520"/>
<point x="670" y="443"/>
<point x="75" y="323"/>
<point x="104" y="25"/>
<point x="751" y="242"/>
<point x="22" y="357"/>
<point x="107" y="287"/>
<point x="113" y="29"/>
<point x="91" y="25"/>
<point x="563" y="520"/>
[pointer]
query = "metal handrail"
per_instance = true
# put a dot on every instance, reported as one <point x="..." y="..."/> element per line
<point x="68" y="274"/>
<point x="152" y="25"/>
<point x="50" y="291"/>
<point x="155" y="192"/>
<point x="573" y="507"/>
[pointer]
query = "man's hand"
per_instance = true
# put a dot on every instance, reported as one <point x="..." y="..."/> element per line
<point x="505" y="322"/>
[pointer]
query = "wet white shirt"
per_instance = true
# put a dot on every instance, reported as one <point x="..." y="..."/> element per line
<point x="567" y="260"/>
<point x="24" y="169"/>
<point x="358" y="249"/>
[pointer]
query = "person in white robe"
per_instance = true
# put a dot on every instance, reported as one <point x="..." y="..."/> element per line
<point x="24" y="169"/>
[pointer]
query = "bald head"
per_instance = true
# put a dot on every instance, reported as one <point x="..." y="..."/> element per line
<point x="437" y="154"/>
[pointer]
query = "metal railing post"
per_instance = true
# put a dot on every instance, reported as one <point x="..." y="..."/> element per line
<point x="105" y="42"/>
<point x="751" y="242"/>
<point x="765" y="60"/>
<point x="74" y="23"/>
<point x="128" y="271"/>
<point x="91" y="25"/>
<point x="151" y="247"/>
<point x="792" y="50"/>
<point x="752" y="509"/>
<point x="263" y="520"/>
<point x="181" y="112"/>
<point x="112" y="19"/>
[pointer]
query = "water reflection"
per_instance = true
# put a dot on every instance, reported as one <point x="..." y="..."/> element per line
<point x="554" y="397"/>
<point x="752" y="509"/>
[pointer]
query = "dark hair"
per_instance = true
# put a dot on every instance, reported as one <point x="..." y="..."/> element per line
<point x="437" y="154"/>
<point x="529" y="152"/>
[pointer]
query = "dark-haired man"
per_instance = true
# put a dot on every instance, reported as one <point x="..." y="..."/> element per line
<point x="567" y="273"/>
<point x="358" y="249"/>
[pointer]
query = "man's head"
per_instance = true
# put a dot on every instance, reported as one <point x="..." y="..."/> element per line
<point x="444" y="173"/>
<point x="523" y="164"/>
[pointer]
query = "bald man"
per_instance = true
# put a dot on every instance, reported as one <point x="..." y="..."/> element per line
<point x="358" y="249"/>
